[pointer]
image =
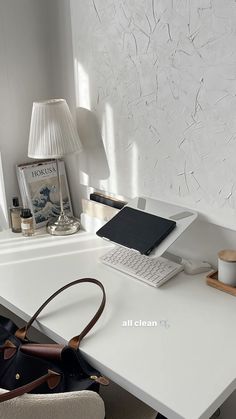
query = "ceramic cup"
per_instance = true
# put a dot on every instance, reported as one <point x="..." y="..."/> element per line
<point x="227" y="267"/>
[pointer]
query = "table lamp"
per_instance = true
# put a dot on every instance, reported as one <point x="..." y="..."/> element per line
<point x="54" y="135"/>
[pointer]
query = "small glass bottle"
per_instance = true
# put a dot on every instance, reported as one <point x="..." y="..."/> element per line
<point x="27" y="222"/>
<point x="15" y="215"/>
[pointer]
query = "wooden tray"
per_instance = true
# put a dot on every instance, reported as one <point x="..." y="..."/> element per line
<point x="212" y="280"/>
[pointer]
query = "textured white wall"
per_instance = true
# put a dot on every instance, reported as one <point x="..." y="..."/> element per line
<point x="161" y="77"/>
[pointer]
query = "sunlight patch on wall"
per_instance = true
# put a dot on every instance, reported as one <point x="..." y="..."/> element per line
<point x="82" y="87"/>
<point x="134" y="170"/>
<point x="84" y="178"/>
<point x="108" y="136"/>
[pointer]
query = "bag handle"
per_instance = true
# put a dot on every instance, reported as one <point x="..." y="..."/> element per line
<point x="75" y="341"/>
<point x="52" y="378"/>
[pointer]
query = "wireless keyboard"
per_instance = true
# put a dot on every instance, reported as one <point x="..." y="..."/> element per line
<point x="153" y="271"/>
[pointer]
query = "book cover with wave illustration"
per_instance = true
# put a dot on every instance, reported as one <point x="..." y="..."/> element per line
<point x="38" y="184"/>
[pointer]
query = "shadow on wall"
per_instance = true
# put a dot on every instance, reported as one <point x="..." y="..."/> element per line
<point x="98" y="163"/>
<point x="93" y="162"/>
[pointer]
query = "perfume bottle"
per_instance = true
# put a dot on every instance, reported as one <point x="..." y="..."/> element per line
<point x="15" y="212"/>
<point x="27" y="222"/>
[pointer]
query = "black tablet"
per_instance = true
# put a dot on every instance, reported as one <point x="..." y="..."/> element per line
<point x="137" y="229"/>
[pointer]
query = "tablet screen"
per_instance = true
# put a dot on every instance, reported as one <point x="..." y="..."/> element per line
<point x="137" y="229"/>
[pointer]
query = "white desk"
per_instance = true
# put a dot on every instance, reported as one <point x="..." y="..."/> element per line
<point x="185" y="367"/>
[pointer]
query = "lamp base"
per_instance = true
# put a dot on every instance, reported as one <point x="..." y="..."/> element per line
<point x="63" y="225"/>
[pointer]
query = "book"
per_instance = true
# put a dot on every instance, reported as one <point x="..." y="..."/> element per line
<point x="97" y="210"/>
<point x="107" y="200"/>
<point x="38" y="184"/>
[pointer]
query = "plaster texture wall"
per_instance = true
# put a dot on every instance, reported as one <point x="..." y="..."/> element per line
<point x="160" y="76"/>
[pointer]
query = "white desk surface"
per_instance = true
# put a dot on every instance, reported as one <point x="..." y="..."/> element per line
<point x="184" y="367"/>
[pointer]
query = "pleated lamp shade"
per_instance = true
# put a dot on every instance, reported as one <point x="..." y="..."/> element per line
<point x="52" y="131"/>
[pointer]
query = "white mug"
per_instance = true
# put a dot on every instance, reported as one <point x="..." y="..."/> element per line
<point x="227" y="267"/>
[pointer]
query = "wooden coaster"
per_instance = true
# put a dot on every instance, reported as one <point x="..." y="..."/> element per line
<point x="212" y="280"/>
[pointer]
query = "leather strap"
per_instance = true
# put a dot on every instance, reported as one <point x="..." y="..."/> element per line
<point x="75" y="341"/>
<point x="48" y="351"/>
<point x="52" y="378"/>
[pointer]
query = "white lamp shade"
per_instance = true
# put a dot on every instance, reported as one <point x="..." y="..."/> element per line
<point x="52" y="131"/>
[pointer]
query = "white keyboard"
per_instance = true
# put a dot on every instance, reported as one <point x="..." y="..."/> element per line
<point x="154" y="271"/>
